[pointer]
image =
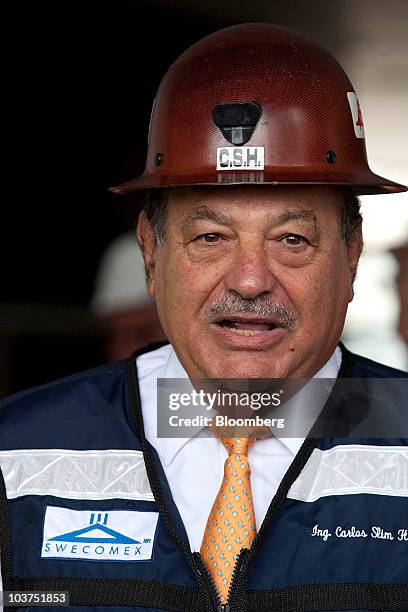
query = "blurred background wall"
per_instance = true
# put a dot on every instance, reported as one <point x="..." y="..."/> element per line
<point x="81" y="77"/>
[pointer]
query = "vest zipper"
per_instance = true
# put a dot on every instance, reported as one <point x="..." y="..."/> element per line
<point x="236" y="575"/>
<point x="205" y="573"/>
<point x="208" y="581"/>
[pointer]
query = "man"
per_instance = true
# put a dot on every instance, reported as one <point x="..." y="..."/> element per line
<point x="251" y="281"/>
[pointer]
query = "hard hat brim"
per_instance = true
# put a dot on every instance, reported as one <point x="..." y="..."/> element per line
<point x="367" y="184"/>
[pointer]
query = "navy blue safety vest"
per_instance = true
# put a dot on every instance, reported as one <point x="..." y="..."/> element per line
<point x="85" y="508"/>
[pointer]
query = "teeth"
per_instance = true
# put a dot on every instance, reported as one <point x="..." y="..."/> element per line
<point x="246" y="332"/>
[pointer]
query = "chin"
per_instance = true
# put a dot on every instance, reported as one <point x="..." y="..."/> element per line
<point x="247" y="366"/>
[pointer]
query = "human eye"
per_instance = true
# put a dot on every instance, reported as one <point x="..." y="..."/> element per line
<point x="210" y="245"/>
<point x="294" y="240"/>
<point x="208" y="238"/>
<point x="292" y="249"/>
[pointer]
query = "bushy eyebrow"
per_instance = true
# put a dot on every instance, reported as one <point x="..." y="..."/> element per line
<point x="206" y="214"/>
<point x="295" y="215"/>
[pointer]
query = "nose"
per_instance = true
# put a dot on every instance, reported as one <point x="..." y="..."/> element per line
<point x="249" y="273"/>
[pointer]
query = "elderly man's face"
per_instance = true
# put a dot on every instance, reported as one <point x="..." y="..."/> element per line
<point x="252" y="281"/>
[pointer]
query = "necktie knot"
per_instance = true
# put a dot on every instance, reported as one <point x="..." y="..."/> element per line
<point x="237" y="446"/>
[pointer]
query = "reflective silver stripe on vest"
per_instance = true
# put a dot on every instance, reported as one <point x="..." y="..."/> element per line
<point x="91" y="474"/>
<point x="353" y="468"/>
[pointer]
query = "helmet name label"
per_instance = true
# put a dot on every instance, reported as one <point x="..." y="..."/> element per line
<point x="240" y="158"/>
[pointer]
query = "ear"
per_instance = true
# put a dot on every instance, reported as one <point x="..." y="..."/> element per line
<point x="354" y="249"/>
<point x="147" y="242"/>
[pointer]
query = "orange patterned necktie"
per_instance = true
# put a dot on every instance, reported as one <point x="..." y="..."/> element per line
<point x="231" y="524"/>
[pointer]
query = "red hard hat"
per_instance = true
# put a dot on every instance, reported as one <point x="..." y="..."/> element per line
<point x="257" y="103"/>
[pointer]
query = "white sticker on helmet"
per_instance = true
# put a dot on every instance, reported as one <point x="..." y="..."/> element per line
<point x="240" y="158"/>
<point x="356" y="114"/>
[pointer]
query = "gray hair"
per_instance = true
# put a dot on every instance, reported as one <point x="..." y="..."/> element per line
<point x="155" y="208"/>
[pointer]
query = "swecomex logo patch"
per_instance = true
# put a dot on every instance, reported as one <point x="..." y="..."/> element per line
<point x="118" y="535"/>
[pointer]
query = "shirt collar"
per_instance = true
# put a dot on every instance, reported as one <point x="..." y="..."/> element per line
<point x="171" y="446"/>
<point x="173" y="369"/>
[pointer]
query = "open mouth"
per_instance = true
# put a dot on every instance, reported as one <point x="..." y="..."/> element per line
<point x="247" y="328"/>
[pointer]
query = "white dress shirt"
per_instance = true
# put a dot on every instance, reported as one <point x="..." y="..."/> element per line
<point x="194" y="467"/>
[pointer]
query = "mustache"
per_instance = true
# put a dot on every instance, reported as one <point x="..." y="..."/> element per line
<point x="231" y="304"/>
